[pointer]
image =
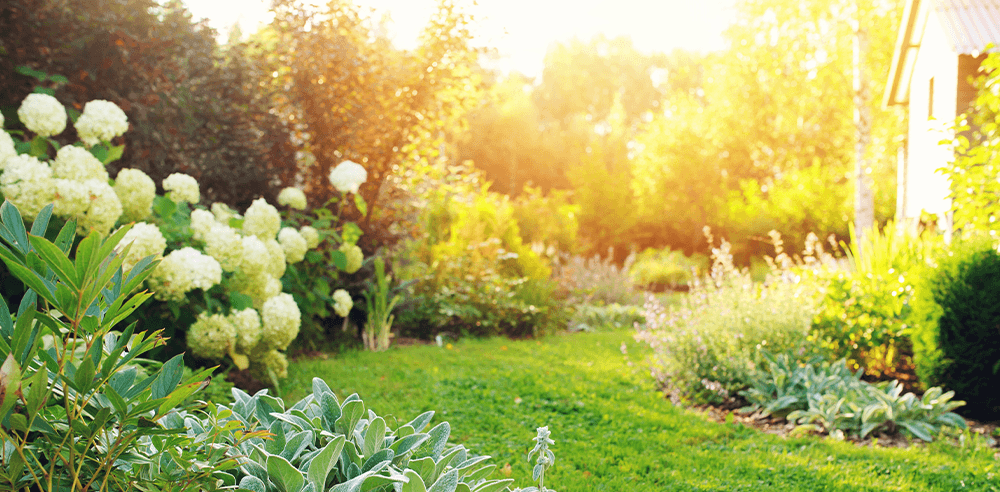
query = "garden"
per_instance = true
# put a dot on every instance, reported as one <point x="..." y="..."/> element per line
<point x="305" y="260"/>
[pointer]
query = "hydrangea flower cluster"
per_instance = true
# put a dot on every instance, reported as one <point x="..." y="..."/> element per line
<point x="182" y="188"/>
<point x="146" y="240"/>
<point x="292" y="197"/>
<point x="182" y="271"/>
<point x="311" y="236"/>
<point x="348" y="176"/>
<point x="27" y="183"/>
<point x="293" y="244"/>
<point x="281" y="319"/>
<point x="42" y="114"/>
<point x="136" y="190"/>
<point x="342" y="303"/>
<point x="354" y="257"/>
<point x="211" y="337"/>
<point x="101" y="121"/>
<point x="262" y="220"/>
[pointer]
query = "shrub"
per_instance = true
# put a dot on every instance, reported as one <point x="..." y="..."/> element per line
<point x="547" y="220"/>
<point x="665" y="269"/>
<point x="594" y="280"/>
<point x="863" y="314"/>
<point x="591" y="317"/>
<point x="956" y="314"/>
<point x="74" y="415"/>
<point x="710" y="346"/>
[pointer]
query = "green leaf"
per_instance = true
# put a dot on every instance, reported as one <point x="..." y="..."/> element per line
<point x="351" y="413"/>
<point x="253" y="484"/>
<point x="170" y="375"/>
<point x="100" y="152"/>
<point x="494" y="485"/>
<point x="41" y="223"/>
<point x="351" y="233"/>
<point x="374" y="437"/>
<point x="113" y="154"/>
<point x="164" y="207"/>
<point x="13" y="226"/>
<point x="283" y="474"/>
<point x="361" y="204"/>
<point x="339" y="259"/>
<point x="56" y="260"/>
<point x="39" y="145"/>
<point x="447" y="483"/>
<point x="415" y="484"/>
<point x="6" y="322"/>
<point x="239" y="301"/>
<point x="84" y="376"/>
<point x="323" y="463"/>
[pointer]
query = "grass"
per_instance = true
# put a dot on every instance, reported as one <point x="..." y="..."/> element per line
<point x="613" y="429"/>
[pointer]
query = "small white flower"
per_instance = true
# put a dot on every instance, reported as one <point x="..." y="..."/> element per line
<point x="348" y="176"/>
<point x="281" y="319"/>
<point x="146" y="240"/>
<point x="354" y="257"/>
<point x="78" y="164"/>
<point x="311" y="235"/>
<point x="210" y="337"/>
<point x="255" y="257"/>
<point x="104" y="210"/>
<point x="276" y="258"/>
<point x="262" y="220"/>
<point x="42" y="114"/>
<point x="201" y="223"/>
<point x="182" y="188"/>
<point x="223" y="213"/>
<point x="248" y="329"/>
<point x="184" y="270"/>
<point x="225" y="245"/>
<point x="292" y="197"/>
<point x="342" y="303"/>
<point x="101" y="121"/>
<point x="294" y="244"/>
<point x="136" y="191"/>
<point x="27" y="183"/>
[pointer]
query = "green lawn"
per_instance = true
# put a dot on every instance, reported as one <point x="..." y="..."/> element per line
<point x="613" y="429"/>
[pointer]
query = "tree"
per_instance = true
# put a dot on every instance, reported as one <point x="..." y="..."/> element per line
<point x="350" y="95"/>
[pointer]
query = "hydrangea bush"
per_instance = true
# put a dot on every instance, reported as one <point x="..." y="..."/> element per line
<point x="220" y="271"/>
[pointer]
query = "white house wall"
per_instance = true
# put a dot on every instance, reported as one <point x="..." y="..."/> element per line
<point x="926" y="189"/>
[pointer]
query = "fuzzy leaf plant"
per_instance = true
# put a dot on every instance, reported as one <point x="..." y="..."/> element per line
<point x="323" y="444"/>
<point x="75" y="411"/>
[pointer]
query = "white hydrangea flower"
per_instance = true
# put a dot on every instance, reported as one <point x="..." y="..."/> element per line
<point x="104" y="210"/>
<point x="276" y="258"/>
<point x="71" y="199"/>
<point x="225" y="245"/>
<point x="293" y="197"/>
<point x="223" y="213"/>
<point x="262" y="220"/>
<point x="78" y="164"/>
<point x="311" y="236"/>
<point x="255" y="258"/>
<point x="201" y="223"/>
<point x="182" y="188"/>
<point x="281" y="319"/>
<point x="2" y="121"/>
<point x="248" y="329"/>
<point x="7" y="149"/>
<point x="42" y="114"/>
<point x="273" y="360"/>
<point x="182" y="271"/>
<point x="136" y="190"/>
<point x="293" y="243"/>
<point x="342" y="303"/>
<point x="210" y="337"/>
<point x="259" y="287"/>
<point x="146" y="240"/>
<point x="27" y="183"/>
<point x="348" y="176"/>
<point x="354" y="257"/>
<point x="101" y="121"/>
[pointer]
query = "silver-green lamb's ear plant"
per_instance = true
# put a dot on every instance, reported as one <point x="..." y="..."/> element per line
<point x="545" y="460"/>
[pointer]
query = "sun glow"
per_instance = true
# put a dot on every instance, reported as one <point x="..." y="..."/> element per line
<point x="522" y="30"/>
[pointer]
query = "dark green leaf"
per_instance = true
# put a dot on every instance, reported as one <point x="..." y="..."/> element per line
<point x="170" y="375"/>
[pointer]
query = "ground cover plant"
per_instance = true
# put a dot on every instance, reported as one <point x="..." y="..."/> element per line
<point x="612" y="427"/>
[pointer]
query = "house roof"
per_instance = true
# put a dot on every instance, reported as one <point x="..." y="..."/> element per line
<point x="969" y="25"/>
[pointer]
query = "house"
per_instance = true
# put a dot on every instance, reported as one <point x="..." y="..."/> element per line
<point x="938" y="50"/>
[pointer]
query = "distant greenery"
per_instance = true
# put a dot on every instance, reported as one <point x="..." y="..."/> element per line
<point x="612" y="429"/>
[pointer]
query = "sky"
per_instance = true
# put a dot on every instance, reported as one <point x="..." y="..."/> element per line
<point x="522" y="30"/>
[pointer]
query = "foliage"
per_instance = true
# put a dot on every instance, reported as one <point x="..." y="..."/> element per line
<point x="379" y="310"/>
<point x="863" y="315"/>
<point x="607" y="415"/>
<point x="666" y="269"/>
<point x="546" y="458"/>
<point x="193" y="106"/>
<point x="709" y="347"/>
<point x="584" y="280"/>
<point x="547" y="220"/>
<point x="972" y="175"/>
<point x="827" y="397"/>
<point x="349" y="94"/>
<point x="323" y="444"/>
<point x="955" y="317"/>
<point x="74" y="415"/>
<point x="472" y="272"/>
<point x="593" y="317"/>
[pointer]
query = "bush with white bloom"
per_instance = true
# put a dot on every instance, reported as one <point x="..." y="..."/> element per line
<point x="27" y="183"/>
<point x="342" y="303"/>
<point x="354" y="257"/>
<point x="101" y="121"/>
<point x="294" y="245"/>
<point x="182" y="188"/>
<point x="211" y="336"/>
<point x="281" y="319"/>
<point x="348" y="176"/>
<point x="77" y="164"/>
<point x="42" y="114"/>
<point x="146" y="240"/>
<point x="136" y="190"/>
<point x="182" y="271"/>
<point x="262" y="220"/>
<point x="292" y="197"/>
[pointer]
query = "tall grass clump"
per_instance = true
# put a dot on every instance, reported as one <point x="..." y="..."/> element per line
<point x="709" y="346"/>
